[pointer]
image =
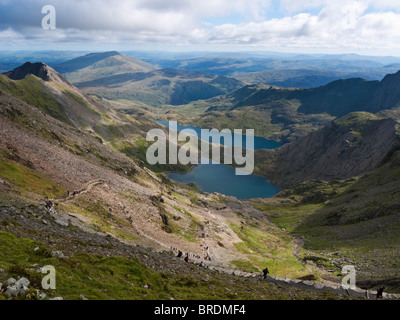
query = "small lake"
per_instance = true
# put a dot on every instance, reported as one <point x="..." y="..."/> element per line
<point x="259" y="142"/>
<point x="222" y="178"/>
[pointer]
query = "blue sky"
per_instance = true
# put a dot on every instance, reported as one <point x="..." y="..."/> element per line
<point x="309" y="26"/>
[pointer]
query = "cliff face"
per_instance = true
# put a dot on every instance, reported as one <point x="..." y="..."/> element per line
<point x="348" y="147"/>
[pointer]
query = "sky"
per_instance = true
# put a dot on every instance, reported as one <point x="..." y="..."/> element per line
<point x="312" y="26"/>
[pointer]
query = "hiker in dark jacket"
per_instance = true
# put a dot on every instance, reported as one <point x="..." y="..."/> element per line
<point x="266" y="272"/>
<point x="380" y="292"/>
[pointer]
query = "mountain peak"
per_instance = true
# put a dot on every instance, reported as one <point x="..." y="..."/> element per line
<point x="38" y="69"/>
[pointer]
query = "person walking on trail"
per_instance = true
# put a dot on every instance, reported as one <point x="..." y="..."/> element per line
<point x="179" y="254"/>
<point x="380" y="293"/>
<point x="187" y="258"/>
<point x="266" y="272"/>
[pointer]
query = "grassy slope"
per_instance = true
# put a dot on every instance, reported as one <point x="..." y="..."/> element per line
<point x="118" y="278"/>
<point x="357" y="220"/>
<point x="32" y="91"/>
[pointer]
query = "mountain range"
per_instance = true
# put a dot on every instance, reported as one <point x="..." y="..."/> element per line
<point x="115" y="76"/>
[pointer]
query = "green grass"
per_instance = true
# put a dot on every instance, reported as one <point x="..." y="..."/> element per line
<point x="81" y="101"/>
<point x="32" y="91"/>
<point x="119" y="278"/>
<point x="29" y="181"/>
<point x="267" y="248"/>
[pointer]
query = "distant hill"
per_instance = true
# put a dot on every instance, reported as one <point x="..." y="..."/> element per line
<point x="278" y="69"/>
<point x="96" y="65"/>
<point x="116" y="76"/>
<point x="337" y="98"/>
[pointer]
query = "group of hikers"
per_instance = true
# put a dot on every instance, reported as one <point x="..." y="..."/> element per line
<point x="50" y="205"/>
<point x="180" y="254"/>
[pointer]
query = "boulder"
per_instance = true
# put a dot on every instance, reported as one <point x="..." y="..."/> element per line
<point x="22" y="283"/>
<point x="13" y="291"/>
<point x="11" y="282"/>
<point x="57" y="254"/>
<point x="319" y="285"/>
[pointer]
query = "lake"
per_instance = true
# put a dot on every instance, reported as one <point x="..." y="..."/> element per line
<point x="222" y="178"/>
<point x="259" y="142"/>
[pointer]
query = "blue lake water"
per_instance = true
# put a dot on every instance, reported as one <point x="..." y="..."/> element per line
<point x="259" y="142"/>
<point x="222" y="178"/>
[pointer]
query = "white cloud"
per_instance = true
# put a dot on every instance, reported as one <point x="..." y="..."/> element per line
<point x="341" y="24"/>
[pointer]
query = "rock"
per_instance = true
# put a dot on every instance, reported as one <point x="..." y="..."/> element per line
<point x="22" y="283"/>
<point x="319" y="285"/>
<point x="11" y="282"/>
<point x="57" y="254"/>
<point x="83" y="297"/>
<point x="41" y="295"/>
<point x="36" y="249"/>
<point x="56" y="299"/>
<point x="146" y="286"/>
<point x="2" y="181"/>
<point x="1" y="287"/>
<point x="17" y="288"/>
<point x="44" y="221"/>
<point x="13" y="291"/>
<point x="308" y="283"/>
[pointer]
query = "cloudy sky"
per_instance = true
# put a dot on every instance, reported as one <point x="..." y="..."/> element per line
<point x="319" y="26"/>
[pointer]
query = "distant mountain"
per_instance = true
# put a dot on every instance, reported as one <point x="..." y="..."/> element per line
<point x="97" y="65"/>
<point x="337" y="98"/>
<point x="115" y="76"/>
<point x="285" y="70"/>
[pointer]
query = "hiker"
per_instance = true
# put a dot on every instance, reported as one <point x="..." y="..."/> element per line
<point x="187" y="258"/>
<point x="201" y="264"/>
<point x="380" y="292"/>
<point x="180" y="253"/>
<point x="266" y="272"/>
